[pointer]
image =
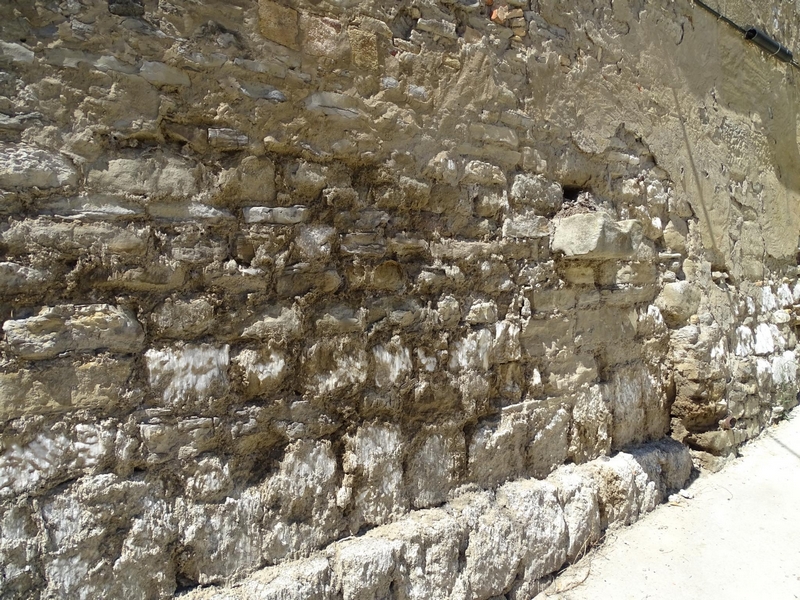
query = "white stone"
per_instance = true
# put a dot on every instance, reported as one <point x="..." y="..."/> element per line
<point x="290" y="215"/>
<point x="392" y="362"/>
<point x="26" y="166"/>
<point x="188" y="372"/>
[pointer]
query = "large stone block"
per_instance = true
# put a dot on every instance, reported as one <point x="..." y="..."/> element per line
<point x="69" y="328"/>
<point x="678" y="301"/>
<point x="594" y="235"/>
<point x="278" y="23"/>
<point x="187" y="373"/>
<point x="63" y="386"/>
<point x="74" y="239"/>
<point x="25" y="166"/>
<point x="152" y="177"/>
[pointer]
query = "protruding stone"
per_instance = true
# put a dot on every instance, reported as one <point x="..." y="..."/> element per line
<point x="593" y="235"/>
<point x="678" y="301"/>
<point x="71" y="328"/>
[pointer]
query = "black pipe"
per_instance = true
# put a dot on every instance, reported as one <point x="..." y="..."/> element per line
<point x="777" y="49"/>
<point x="720" y="16"/>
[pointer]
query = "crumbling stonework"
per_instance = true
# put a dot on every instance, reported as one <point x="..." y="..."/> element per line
<point x="344" y="299"/>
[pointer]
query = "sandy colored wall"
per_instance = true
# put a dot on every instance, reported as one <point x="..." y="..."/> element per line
<point x="339" y="299"/>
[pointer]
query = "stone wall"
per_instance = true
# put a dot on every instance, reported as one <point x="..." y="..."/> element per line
<point x="364" y="299"/>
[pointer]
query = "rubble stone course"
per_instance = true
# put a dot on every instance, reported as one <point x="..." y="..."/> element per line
<point x="362" y="299"/>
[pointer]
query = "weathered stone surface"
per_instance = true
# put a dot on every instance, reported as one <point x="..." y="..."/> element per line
<point x="64" y="386"/>
<point x="678" y="301"/>
<point x="18" y="279"/>
<point x="160" y="74"/>
<point x="190" y="372"/>
<point x="74" y="239"/>
<point x="378" y="254"/>
<point x="593" y="236"/>
<point x="59" y="329"/>
<point x="278" y="23"/>
<point x="25" y="166"/>
<point x="150" y="177"/>
<point x="291" y="215"/>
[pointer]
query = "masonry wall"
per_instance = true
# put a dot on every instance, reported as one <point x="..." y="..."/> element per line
<point x="408" y="299"/>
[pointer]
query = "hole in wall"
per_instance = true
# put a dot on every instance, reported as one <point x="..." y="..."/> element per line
<point x="571" y="192"/>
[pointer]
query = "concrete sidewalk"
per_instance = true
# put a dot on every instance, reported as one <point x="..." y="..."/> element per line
<point x="737" y="538"/>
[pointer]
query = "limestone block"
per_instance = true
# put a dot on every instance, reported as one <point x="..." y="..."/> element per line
<point x="364" y="48"/>
<point x="17" y="53"/>
<point x="75" y="239"/>
<point x="678" y="301"/>
<point x="535" y="507"/>
<point x="278" y="23"/>
<point x="190" y="372"/>
<point x="161" y="276"/>
<point x="61" y="387"/>
<point x="26" y="166"/>
<point x="293" y="284"/>
<point x="667" y="463"/>
<point x="438" y="27"/>
<point x="322" y="36"/>
<point x="506" y="346"/>
<point x="433" y="468"/>
<point x="251" y="182"/>
<point x="335" y="365"/>
<point x="314" y="242"/>
<point x="630" y="394"/>
<point x="365" y="567"/>
<point x="374" y="461"/>
<point x="549" y="447"/>
<point x="289" y="215"/>
<point x="49" y="455"/>
<point x="544" y="196"/>
<point x="160" y="74"/>
<point x="19" y="279"/>
<point x="70" y="328"/>
<point x="300" y="580"/>
<point x="305" y="485"/>
<point x="429" y="555"/>
<point x="675" y="234"/>
<point x="276" y="322"/>
<point x="497" y="449"/>
<point x="472" y="351"/>
<point x="96" y="207"/>
<point x="180" y="319"/>
<point x="577" y="493"/>
<point x="308" y="179"/>
<point x="260" y="371"/>
<point x="126" y="8"/>
<point x="220" y="540"/>
<point x="592" y="426"/>
<point x="164" y="176"/>
<point x="227" y="139"/>
<point x="594" y="236"/>
<point x="392" y="363"/>
<point x="188" y="211"/>
<point x="483" y="173"/>
<point x="536" y="227"/>
<point x="364" y="245"/>
<point x="494" y="553"/>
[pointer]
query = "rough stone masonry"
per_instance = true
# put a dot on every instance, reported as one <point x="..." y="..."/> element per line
<point x="354" y="299"/>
